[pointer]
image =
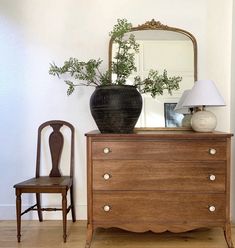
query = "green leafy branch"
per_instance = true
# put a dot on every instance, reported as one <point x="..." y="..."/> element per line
<point x="123" y="63"/>
<point x="155" y="84"/>
<point x="87" y="73"/>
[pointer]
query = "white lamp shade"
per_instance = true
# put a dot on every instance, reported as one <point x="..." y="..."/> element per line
<point x="203" y="93"/>
<point x="179" y="108"/>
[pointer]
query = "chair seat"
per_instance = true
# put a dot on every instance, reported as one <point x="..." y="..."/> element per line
<point x="45" y="183"/>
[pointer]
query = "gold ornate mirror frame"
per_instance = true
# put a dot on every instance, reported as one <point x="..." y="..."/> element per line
<point x="156" y="25"/>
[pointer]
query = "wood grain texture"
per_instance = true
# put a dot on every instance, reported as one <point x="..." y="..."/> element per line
<point x="159" y="134"/>
<point x="157" y="206"/>
<point x="47" y="234"/>
<point x="161" y="150"/>
<point x="149" y="175"/>
<point x="159" y="181"/>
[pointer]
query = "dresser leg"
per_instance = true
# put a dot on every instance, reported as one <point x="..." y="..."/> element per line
<point x="89" y="235"/>
<point x="228" y="236"/>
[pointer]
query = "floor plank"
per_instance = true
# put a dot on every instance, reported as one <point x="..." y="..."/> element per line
<point x="48" y="234"/>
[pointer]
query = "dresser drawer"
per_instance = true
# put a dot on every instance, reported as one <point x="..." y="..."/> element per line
<point x="167" y="150"/>
<point x="145" y="206"/>
<point x="152" y="175"/>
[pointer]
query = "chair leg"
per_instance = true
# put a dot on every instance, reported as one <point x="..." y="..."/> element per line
<point x="64" y="211"/>
<point x="18" y="214"/>
<point x="72" y="204"/>
<point x="38" y="200"/>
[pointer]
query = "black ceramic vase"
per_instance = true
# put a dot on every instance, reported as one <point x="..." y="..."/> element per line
<point x="116" y="108"/>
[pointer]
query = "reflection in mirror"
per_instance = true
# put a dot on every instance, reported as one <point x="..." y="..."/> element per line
<point x="163" y="47"/>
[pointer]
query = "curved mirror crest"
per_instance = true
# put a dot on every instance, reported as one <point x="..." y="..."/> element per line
<point x="163" y="47"/>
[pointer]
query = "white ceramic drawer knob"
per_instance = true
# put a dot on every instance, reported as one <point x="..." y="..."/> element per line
<point x="212" y="177"/>
<point x="106" y="208"/>
<point x="106" y="176"/>
<point x="212" y="208"/>
<point x="212" y="151"/>
<point x="107" y="150"/>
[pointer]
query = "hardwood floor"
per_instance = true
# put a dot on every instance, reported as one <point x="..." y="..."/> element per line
<point x="48" y="234"/>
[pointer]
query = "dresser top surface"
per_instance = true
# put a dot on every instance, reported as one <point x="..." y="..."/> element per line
<point x="162" y="133"/>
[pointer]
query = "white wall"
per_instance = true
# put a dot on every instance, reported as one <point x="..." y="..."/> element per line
<point x="35" y="33"/>
<point x="218" y="54"/>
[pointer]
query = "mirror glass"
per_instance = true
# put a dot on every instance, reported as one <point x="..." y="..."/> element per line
<point x="163" y="47"/>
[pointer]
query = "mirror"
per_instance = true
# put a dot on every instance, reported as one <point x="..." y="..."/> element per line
<point x="163" y="47"/>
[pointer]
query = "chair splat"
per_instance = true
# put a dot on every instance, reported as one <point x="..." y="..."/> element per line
<point x="56" y="142"/>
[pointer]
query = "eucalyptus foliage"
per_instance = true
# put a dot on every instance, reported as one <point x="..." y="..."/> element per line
<point x="123" y="64"/>
<point x="155" y="84"/>
<point x="86" y="73"/>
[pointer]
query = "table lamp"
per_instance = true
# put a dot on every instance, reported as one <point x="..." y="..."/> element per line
<point x="187" y="112"/>
<point x="203" y="94"/>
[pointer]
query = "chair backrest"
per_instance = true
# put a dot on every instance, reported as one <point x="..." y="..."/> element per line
<point x="56" y="142"/>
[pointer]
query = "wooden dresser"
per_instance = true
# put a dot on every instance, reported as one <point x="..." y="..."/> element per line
<point x="158" y="181"/>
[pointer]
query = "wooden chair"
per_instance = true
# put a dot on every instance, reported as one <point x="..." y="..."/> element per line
<point x="55" y="182"/>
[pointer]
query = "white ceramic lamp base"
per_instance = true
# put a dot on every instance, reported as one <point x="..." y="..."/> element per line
<point x="203" y="121"/>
